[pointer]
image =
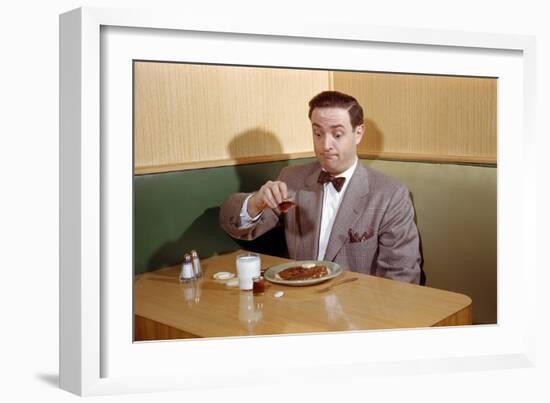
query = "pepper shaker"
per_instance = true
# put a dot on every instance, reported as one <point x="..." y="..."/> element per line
<point x="187" y="273"/>
<point x="196" y="264"/>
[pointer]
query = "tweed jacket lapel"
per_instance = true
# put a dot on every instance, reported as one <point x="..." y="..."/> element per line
<point x="310" y="200"/>
<point x="349" y="211"/>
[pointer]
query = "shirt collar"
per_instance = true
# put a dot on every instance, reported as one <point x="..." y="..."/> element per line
<point x="348" y="173"/>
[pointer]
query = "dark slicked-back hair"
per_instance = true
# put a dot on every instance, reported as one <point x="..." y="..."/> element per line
<point x="335" y="99"/>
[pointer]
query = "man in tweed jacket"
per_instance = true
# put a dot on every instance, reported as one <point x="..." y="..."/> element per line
<point x="345" y="212"/>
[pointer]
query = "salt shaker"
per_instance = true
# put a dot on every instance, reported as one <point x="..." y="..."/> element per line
<point x="196" y="264"/>
<point x="187" y="273"/>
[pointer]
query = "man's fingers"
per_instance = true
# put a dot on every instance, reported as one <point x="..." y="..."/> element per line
<point x="284" y="190"/>
<point x="279" y="190"/>
<point x="275" y="190"/>
<point x="273" y="193"/>
<point x="269" y="199"/>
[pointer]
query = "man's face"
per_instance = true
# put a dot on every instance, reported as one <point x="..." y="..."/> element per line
<point x="334" y="140"/>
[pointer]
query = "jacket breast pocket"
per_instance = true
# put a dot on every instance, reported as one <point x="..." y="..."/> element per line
<point x="363" y="248"/>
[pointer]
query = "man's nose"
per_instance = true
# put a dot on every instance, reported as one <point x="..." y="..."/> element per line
<point x="327" y="143"/>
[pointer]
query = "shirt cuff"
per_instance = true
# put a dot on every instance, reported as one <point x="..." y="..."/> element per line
<point x="246" y="220"/>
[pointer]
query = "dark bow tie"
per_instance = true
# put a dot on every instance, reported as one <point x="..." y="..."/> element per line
<point x="337" y="182"/>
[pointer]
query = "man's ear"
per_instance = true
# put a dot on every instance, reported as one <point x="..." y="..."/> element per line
<point x="359" y="132"/>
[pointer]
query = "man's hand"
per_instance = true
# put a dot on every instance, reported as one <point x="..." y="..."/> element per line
<point x="270" y="195"/>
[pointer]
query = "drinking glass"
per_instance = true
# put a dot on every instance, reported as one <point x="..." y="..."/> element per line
<point x="248" y="267"/>
<point x="287" y="203"/>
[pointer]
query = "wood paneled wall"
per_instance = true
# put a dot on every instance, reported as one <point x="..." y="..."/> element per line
<point x="191" y="116"/>
<point x="425" y="118"/>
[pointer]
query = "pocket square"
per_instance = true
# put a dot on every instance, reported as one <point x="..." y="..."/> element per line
<point x="355" y="237"/>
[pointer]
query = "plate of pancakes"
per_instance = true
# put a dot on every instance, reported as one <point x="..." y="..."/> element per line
<point x="302" y="272"/>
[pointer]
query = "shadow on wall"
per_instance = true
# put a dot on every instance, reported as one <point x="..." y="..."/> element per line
<point x="204" y="232"/>
<point x="373" y="140"/>
<point x="255" y="142"/>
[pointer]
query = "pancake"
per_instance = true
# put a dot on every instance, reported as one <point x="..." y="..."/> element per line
<point x="302" y="273"/>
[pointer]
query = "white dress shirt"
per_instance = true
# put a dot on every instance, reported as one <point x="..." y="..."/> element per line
<point x="331" y="203"/>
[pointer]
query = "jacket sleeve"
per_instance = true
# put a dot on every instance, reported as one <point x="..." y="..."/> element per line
<point x="230" y="219"/>
<point x="399" y="246"/>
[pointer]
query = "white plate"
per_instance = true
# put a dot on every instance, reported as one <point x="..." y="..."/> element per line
<point x="334" y="270"/>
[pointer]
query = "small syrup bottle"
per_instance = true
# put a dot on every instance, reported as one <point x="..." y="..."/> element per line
<point x="196" y="264"/>
<point x="187" y="273"/>
<point x="258" y="285"/>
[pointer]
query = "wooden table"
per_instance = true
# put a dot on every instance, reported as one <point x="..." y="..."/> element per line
<point x="164" y="308"/>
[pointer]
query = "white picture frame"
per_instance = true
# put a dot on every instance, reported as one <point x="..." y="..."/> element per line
<point x="97" y="355"/>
